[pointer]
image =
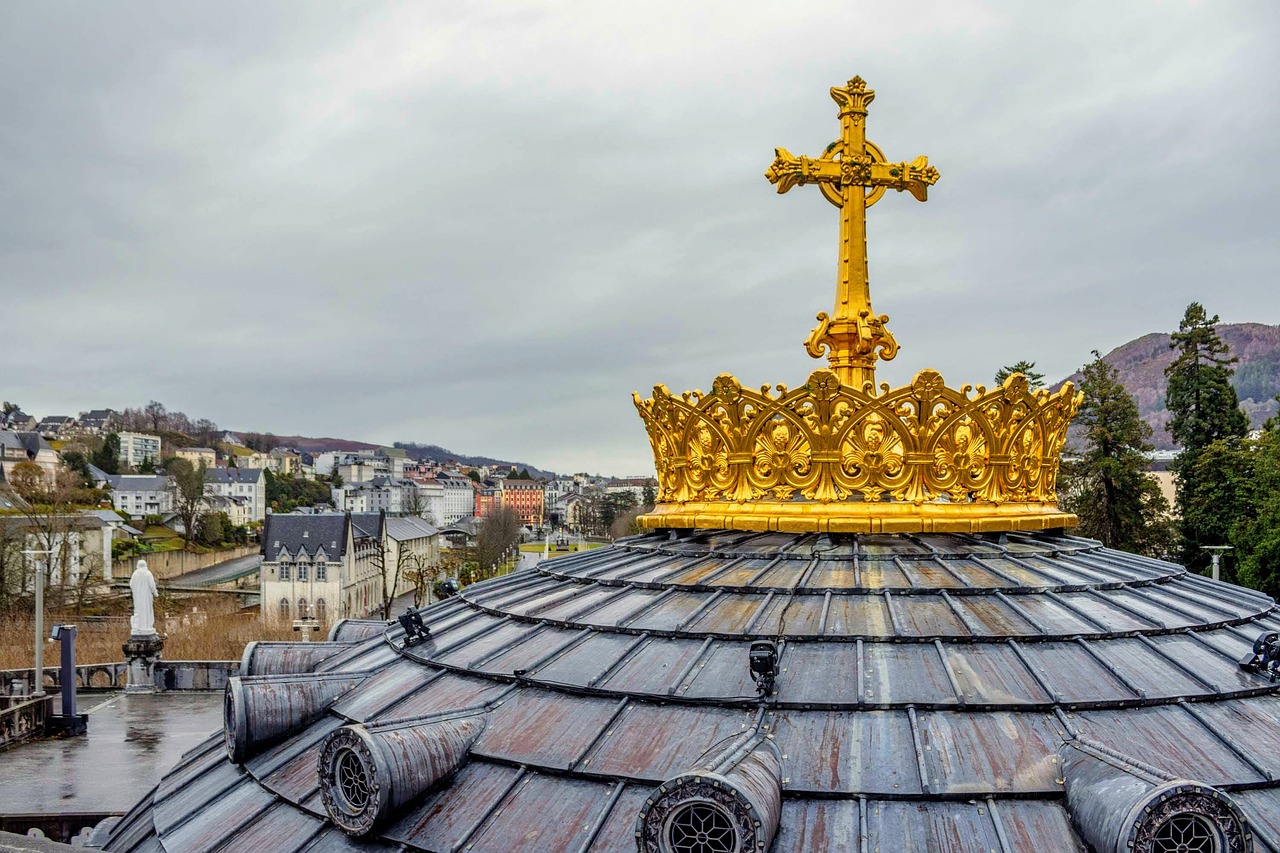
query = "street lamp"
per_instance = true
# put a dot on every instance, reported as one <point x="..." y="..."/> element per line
<point x="1215" y="553"/>
<point x="39" y="581"/>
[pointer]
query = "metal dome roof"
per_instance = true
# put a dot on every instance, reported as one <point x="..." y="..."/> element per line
<point x="1020" y="691"/>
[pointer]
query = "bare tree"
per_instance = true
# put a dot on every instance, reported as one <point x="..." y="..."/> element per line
<point x="188" y="494"/>
<point x="499" y="536"/>
<point x="46" y="503"/>
<point x="392" y="569"/>
<point x="423" y="574"/>
<point x="157" y="415"/>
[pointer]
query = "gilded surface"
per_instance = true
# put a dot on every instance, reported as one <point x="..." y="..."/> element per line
<point x="840" y="453"/>
<point x="852" y="174"/>
<point x="828" y="442"/>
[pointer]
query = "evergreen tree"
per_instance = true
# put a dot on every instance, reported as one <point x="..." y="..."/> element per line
<point x="1108" y="486"/>
<point x="107" y="457"/>
<point x="1205" y="410"/>
<point x="1026" y="368"/>
<point x="1256" y="535"/>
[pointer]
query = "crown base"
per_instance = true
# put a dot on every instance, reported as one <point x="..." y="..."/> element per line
<point x="856" y="517"/>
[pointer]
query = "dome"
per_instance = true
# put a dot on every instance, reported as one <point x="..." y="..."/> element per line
<point x="1020" y="691"/>
<point x="857" y="622"/>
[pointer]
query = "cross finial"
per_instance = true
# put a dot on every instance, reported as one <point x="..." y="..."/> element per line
<point x="852" y="174"/>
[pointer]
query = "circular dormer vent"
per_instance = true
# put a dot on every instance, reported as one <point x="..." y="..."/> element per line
<point x="698" y="827"/>
<point x="349" y="781"/>
<point x="1190" y="818"/>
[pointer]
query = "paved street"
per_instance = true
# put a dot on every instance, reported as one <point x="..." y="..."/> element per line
<point x="218" y="574"/>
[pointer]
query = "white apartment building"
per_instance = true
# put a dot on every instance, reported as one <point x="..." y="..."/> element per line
<point x="248" y="483"/>
<point x="138" y="447"/>
<point x="381" y="494"/>
<point x="431" y="498"/>
<point x="362" y="465"/>
<point x="141" y="494"/>
<point x="459" y="499"/>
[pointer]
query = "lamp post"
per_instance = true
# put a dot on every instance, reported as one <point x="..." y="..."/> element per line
<point x="39" y="581"/>
<point x="1215" y="553"/>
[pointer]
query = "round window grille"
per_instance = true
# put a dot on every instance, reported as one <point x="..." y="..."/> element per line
<point x="351" y="785"/>
<point x="1186" y="833"/>
<point x="701" y="828"/>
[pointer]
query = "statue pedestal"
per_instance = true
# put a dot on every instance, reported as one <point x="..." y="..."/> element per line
<point x="142" y="651"/>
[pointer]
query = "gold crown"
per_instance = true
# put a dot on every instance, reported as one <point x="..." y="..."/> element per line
<point x="921" y="457"/>
<point x="838" y="454"/>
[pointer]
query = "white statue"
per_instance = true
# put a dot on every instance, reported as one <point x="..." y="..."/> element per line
<point x="143" y="585"/>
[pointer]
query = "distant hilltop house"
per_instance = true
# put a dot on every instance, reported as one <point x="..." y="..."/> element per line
<point x="18" y="447"/>
<point x="247" y="483"/>
<point x="328" y="565"/>
<point x="99" y="421"/>
<point x="18" y="421"/>
<point x="58" y="426"/>
<point x="361" y="466"/>
<point x="138" y="448"/>
<point x="634" y="485"/>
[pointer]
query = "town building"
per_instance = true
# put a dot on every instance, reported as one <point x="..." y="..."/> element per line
<point x="488" y="497"/>
<point x="362" y="465"/>
<point x="248" y="483"/>
<point x="18" y="421"/>
<point x="57" y="426"/>
<point x="332" y="565"/>
<point x="431" y="498"/>
<point x="381" y="494"/>
<point x="137" y="448"/>
<point x="525" y="498"/>
<point x="634" y="486"/>
<point x="459" y="498"/>
<point x="141" y="495"/>
<point x="18" y="447"/>
<point x="197" y="456"/>
<point x="99" y="421"/>
<point x="283" y="461"/>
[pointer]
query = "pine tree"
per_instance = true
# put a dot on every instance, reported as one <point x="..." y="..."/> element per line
<point x="1205" y="410"/>
<point x="1026" y="368"/>
<point x="1256" y="535"/>
<point x="1108" y="487"/>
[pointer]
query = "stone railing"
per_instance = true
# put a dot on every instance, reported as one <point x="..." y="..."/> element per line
<point x="169" y="675"/>
<point x="22" y="717"/>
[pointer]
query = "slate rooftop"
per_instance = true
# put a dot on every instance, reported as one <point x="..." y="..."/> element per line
<point x="937" y="692"/>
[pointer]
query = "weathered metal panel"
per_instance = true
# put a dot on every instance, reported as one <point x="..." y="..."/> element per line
<point x="991" y="752"/>
<point x="741" y="573"/>
<point x="1035" y="825"/>
<point x="1219" y="667"/>
<point x="858" y="615"/>
<point x="203" y="817"/>
<point x="785" y="574"/>
<point x="444" y="817"/>
<point x="1050" y="617"/>
<point x="938" y="827"/>
<point x="812" y="825"/>
<point x="688" y="572"/>
<point x="654" y="667"/>
<point x="1145" y="668"/>
<point x="722" y="673"/>
<point x="289" y="770"/>
<point x="494" y="640"/>
<point x="172" y="804"/>
<point x="927" y="616"/>
<point x="990" y="616"/>
<point x="1170" y="739"/>
<point x="834" y="574"/>
<point x="1094" y="605"/>
<point x="1250" y="726"/>
<point x="543" y="728"/>
<point x="730" y="614"/>
<point x="618" y="832"/>
<point x="282" y="829"/>
<point x="992" y="673"/>
<point x="449" y="692"/>
<point x="848" y="752"/>
<point x="669" y="612"/>
<point x="390" y="685"/>
<point x="544" y="813"/>
<point x="623" y="607"/>
<point x="902" y="673"/>
<point x="372" y="655"/>
<point x="582" y="605"/>
<point x="819" y="672"/>
<point x="1074" y="674"/>
<point x="586" y="661"/>
<point x="650" y="742"/>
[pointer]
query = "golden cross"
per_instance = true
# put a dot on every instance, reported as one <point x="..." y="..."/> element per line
<point x="852" y="174"/>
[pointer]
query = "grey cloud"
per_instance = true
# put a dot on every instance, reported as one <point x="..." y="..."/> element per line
<point x="485" y="225"/>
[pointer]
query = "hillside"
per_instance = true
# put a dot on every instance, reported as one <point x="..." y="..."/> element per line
<point x="431" y="452"/>
<point x="1141" y="365"/>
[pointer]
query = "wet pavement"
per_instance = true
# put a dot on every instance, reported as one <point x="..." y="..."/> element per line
<point x="132" y="741"/>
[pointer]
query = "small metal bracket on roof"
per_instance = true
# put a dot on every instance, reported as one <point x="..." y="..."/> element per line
<point x="1265" y="657"/>
<point x="415" y="631"/>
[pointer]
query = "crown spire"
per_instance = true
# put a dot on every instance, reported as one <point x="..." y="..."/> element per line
<point x="852" y="174"/>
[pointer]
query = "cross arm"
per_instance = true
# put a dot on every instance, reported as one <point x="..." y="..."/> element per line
<point x="788" y="170"/>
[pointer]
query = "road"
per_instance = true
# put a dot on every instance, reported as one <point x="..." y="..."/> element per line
<point x="218" y="574"/>
<point x="527" y="561"/>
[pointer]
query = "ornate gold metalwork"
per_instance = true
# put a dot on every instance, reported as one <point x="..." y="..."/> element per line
<point x="924" y="456"/>
<point x="840" y="454"/>
<point x="852" y="174"/>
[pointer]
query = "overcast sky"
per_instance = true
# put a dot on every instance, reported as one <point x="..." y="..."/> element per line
<point x="483" y="225"/>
